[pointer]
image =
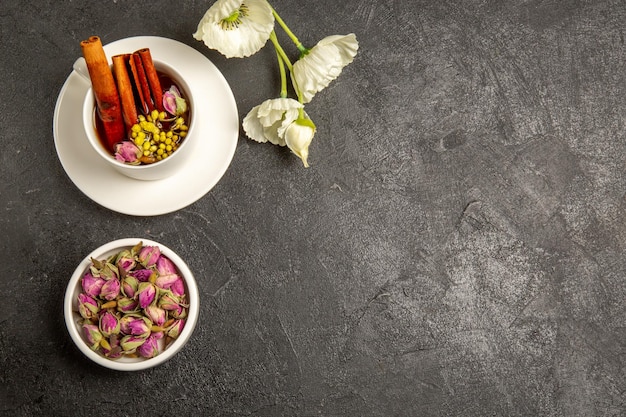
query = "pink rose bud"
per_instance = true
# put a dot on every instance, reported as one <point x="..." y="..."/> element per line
<point x="129" y="286"/>
<point x="150" y="348"/>
<point x="176" y="328"/>
<point x="178" y="287"/>
<point x="126" y="261"/>
<point x="115" y="350"/>
<point x="165" y="282"/>
<point x="92" y="285"/>
<point x="126" y="151"/>
<point x="87" y="306"/>
<point x="92" y="335"/>
<point x="111" y="289"/>
<point x="168" y="301"/>
<point x="168" y="277"/>
<point x="166" y="267"/>
<point x="135" y="326"/>
<point x="156" y="314"/>
<point x="146" y="293"/>
<point x="130" y="343"/>
<point x="127" y="305"/>
<point x="148" y="255"/>
<point x="180" y="313"/>
<point x="173" y="102"/>
<point x="109" y="324"/>
<point x="142" y="275"/>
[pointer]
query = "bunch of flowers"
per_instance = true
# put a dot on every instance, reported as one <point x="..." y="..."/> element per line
<point x="240" y="28"/>
<point x="132" y="303"/>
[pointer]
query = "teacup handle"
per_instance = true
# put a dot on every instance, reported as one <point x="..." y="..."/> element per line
<point x="80" y="66"/>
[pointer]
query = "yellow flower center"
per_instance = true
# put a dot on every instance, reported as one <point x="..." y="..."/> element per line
<point x="234" y="20"/>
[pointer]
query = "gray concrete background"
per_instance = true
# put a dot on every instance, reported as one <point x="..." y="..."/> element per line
<point x="455" y="249"/>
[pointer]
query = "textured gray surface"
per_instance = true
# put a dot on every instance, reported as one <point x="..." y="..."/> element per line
<point x="455" y="249"/>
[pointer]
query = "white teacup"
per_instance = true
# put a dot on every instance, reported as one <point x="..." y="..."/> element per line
<point x="157" y="170"/>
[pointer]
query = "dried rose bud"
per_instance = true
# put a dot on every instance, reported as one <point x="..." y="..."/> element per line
<point x="173" y="102"/>
<point x="179" y="314"/>
<point x="150" y="348"/>
<point x="127" y="305"/>
<point x="91" y="285"/>
<point x="93" y="335"/>
<point x="130" y="343"/>
<point x="176" y="328"/>
<point x="109" y="324"/>
<point x="88" y="307"/>
<point x="111" y="289"/>
<point x="129" y="286"/>
<point x="148" y="255"/>
<point x="93" y="270"/>
<point x="171" y="281"/>
<point x="156" y="314"/>
<point x="175" y="305"/>
<point x="127" y="152"/>
<point x="114" y="350"/>
<point x="142" y="275"/>
<point x="178" y="287"/>
<point x="146" y="293"/>
<point x="109" y="271"/>
<point x="168" y="301"/>
<point x="135" y="325"/>
<point x="165" y="282"/>
<point x="168" y="276"/>
<point x="125" y="261"/>
<point x="166" y="267"/>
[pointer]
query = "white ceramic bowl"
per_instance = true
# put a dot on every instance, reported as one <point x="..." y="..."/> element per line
<point x="73" y="318"/>
<point x="158" y="170"/>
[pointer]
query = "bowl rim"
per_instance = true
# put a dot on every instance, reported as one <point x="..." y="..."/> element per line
<point x="71" y="316"/>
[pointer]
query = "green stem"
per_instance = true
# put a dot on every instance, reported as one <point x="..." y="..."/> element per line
<point x="280" y="51"/>
<point x="283" y="76"/>
<point x="284" y="61"/>
<point x="289" y="33"/>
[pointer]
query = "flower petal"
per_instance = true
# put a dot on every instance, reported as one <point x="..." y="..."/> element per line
<point x="266" y="121"/>
<point x="324" y="62"/>
<point x="252" y="125"/>
<point x="242" y="37"/>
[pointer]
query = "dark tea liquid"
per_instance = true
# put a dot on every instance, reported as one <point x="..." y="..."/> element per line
<point x="166" y="83"/>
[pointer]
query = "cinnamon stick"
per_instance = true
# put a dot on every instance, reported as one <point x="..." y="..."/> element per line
<point x="125" y="89"/>
<point x="108" y="108"/>
<point x="141" y="81"/>
<point x="153" y="77"/>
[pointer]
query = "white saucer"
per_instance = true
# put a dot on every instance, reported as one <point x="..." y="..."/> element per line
<point x="219" y="124"/>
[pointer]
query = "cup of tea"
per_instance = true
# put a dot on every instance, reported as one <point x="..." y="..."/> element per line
<point x="164" y="150"/>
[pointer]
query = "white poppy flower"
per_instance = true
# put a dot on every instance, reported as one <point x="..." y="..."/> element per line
<point x="324" y="62"/>
<point x="268" y="120"/>
<point x="236" y="28"/>
<point x="298" y="136"/>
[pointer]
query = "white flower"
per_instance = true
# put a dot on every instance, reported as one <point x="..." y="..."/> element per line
<point x="278" y="121"/>
<point x="268" y="120"/>
<point x="298" y="136"/>
<point x="324" y="62"/>
<point x="236" y="28"/>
